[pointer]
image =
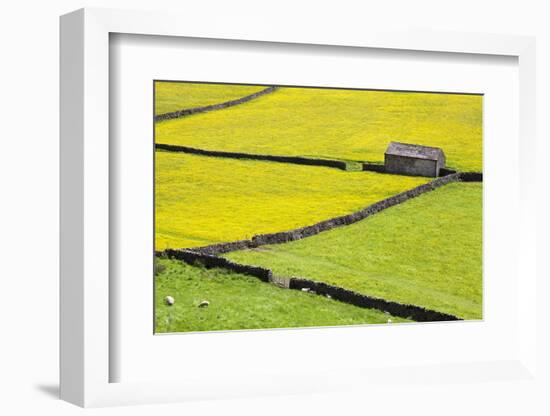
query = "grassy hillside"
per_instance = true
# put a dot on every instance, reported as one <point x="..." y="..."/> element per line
<point x="427" y="251"/>
<point x="244" y="302"/>
<point x="340" y="124"/>
<point x="203" y="200"/>
<point x="173" y="96"/>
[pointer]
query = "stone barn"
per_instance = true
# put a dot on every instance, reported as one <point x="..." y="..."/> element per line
<point x="413" y="159"/>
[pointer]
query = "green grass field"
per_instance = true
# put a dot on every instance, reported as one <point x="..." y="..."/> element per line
<point x="174" y="96"/>
<point x="244" y="302"/>
<point x="203" y="200"/>
<point x="337" y="124"/>
<point x="426" y="251"/>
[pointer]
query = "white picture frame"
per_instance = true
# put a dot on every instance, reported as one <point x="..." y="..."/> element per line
<point x="85" y="211"/>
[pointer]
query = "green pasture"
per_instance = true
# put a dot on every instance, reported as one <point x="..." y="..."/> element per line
<point x="202" y="200"/>
<point x="244" y="302"/>
<point x="174" y="96"/>
<point x="426" y="251"/>
<point x="338" y="124"/>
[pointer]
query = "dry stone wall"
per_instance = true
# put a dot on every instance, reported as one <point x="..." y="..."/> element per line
<point x="297" y="160"/>
<point x="407" y="311"/>
<point x="308" y="231"/>
<point x="209" y="261"/>
<point x="203" y="109"/>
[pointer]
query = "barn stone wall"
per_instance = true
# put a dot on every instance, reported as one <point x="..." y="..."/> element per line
<point x="410" y="166"/>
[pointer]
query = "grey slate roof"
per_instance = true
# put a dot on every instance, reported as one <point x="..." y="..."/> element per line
<point x="415" y="151"/>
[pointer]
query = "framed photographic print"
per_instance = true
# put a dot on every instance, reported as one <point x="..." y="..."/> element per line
<point x="304" y="189"/>
<point x="271" y="213"/>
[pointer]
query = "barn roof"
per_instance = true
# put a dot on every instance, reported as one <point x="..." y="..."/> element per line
<point x="415" y="151"/>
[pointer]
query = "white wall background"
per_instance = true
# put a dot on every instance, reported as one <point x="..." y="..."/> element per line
<point x="29" y="206"/>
